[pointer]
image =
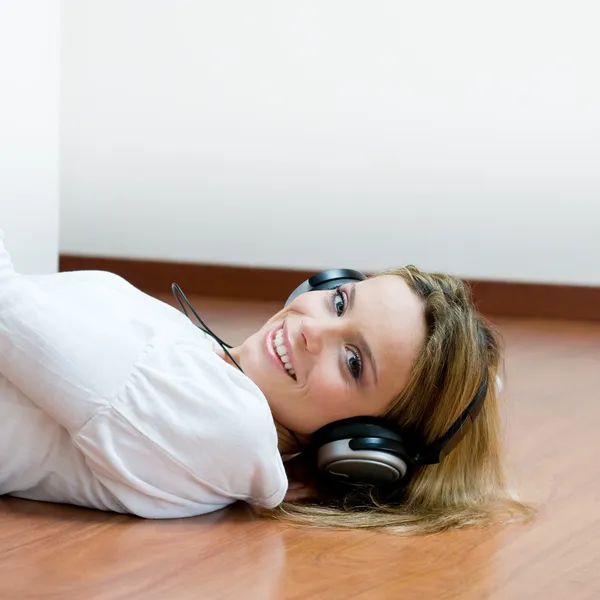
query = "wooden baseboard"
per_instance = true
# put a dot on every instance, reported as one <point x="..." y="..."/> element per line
<point x="493" y="298"/>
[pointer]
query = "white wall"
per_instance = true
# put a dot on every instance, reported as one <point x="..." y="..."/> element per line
<point x="462" y="136"/>
<point x="29" y="130"/>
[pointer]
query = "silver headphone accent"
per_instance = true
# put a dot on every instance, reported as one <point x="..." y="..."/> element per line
<point x="340" y="461"/>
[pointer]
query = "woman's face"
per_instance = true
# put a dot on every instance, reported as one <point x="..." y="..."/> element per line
<point x="348" y="352"/>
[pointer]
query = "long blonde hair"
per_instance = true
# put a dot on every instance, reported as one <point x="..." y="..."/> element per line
<point x="469" y="486"/>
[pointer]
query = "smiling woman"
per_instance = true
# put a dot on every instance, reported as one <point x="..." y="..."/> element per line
<point x="431" y="382"/>
<point x="114" y="400"/>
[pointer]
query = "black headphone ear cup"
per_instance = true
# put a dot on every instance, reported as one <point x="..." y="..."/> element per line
<point x="363" y="451"/>
<point x="371" y="467"/>
<point x="326" y="280"/>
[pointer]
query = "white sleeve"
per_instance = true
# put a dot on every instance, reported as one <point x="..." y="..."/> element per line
<point x="208" y="437"/>
<point x="64" y="359"/>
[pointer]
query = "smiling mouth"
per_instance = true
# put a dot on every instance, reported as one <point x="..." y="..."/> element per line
<point x="282" y="353"/>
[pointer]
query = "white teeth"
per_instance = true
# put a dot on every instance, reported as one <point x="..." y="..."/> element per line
<point x="282" y="352"/>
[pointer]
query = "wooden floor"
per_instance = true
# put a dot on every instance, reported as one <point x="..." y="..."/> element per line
<point x="553" y="432"/>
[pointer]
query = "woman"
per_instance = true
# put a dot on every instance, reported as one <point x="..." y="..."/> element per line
<point x="113" y="400"/>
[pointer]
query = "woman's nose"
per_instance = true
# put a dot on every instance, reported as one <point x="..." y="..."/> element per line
<point x="313" y="334"/>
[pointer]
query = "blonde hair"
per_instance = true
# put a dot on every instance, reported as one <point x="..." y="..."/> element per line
<point x="469" y="486"/>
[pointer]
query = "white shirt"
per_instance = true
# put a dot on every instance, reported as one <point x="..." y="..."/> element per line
<point x="114" y="400"/>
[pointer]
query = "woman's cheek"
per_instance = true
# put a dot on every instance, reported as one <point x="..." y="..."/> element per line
<point x="330" y="392"/>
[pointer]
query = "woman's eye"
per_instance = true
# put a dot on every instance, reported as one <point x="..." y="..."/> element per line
<point x="354" y="363"/>
<point x="339" y="302"/>
<point x="353" y="359"/>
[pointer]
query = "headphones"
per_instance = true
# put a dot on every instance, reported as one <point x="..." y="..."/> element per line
<point x="366" y="450"/>
<point x="370" y="450"/>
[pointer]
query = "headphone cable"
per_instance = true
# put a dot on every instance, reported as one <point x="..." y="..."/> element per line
<point x="181" y="298"/>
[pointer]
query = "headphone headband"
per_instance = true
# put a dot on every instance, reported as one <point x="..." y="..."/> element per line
<point x="438" y="450"/>
<point x="327" y="280"/>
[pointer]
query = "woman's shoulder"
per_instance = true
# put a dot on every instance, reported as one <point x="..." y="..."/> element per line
<point x="207" y="415"/>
